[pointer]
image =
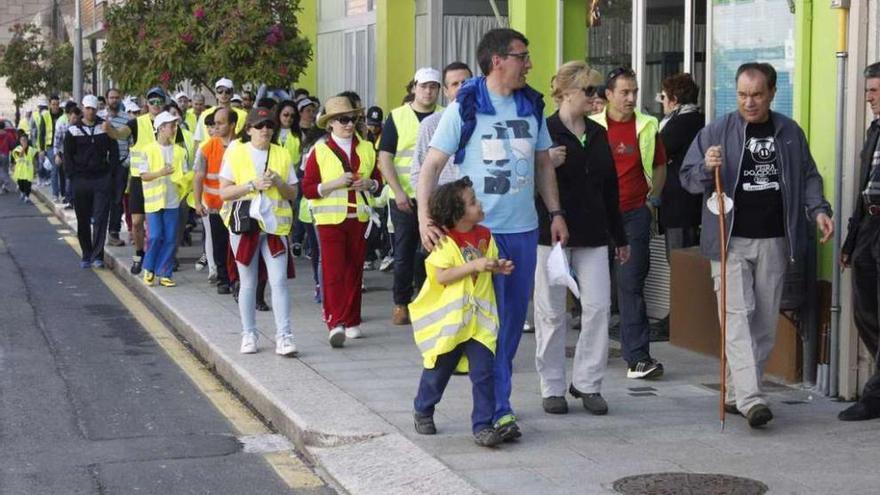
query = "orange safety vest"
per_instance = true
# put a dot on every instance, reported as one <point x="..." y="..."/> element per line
<point x="213" y="150"/>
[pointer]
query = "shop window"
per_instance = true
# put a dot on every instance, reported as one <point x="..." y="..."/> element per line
<point x="610" y="42"/>
<point x="664" y="49"/>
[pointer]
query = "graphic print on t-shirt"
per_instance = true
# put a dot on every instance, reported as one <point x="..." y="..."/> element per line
<point x="508" y="154"/>
<point x="763" y="174"/>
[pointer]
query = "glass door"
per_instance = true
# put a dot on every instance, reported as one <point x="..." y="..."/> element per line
<point x="664" y="49"/>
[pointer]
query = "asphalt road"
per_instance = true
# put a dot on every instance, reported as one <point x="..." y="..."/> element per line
<point x="89" y="402"/>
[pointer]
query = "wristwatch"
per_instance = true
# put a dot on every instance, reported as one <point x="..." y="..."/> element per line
<point x="557" y="213"/>
<point x="655" y="201"/>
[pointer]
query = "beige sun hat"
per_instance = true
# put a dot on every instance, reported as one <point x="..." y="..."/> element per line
<point x="334" y="107"/>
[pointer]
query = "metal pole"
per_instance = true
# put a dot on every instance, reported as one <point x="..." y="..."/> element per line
<point x="834" y="361"/>
<point x="77" y="55"/>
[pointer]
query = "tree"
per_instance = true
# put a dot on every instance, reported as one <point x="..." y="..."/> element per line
<point x="166" y="42"/>
<point x="59" y="68"/>
<point x="21" y="63"/>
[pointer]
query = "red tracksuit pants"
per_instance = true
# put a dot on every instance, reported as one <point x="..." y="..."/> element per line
<point x="343" y="249"/>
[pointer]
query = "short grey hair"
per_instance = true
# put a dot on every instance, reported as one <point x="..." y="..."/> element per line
<point x="199" y="97"/>
<point x="872" y="71"/>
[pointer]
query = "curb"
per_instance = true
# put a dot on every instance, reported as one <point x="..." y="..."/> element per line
<point x="370" y="457"/>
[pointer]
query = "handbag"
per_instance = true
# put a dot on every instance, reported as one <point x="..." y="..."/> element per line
<point x="241" y="221"/>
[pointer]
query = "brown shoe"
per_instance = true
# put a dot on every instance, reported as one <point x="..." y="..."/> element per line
<point x="400" y="315"/>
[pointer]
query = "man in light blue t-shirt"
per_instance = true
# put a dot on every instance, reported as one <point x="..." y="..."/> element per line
<point x="506" y="156"/>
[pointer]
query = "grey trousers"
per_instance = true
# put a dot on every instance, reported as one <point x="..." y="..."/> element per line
<point x="755" y="272"/>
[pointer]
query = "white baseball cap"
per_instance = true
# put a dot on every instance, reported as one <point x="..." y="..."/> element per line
<point x="131" y="106"/>
<point x="236" y="97"/>
<point x="90" y="101"/>
<point x="427" y="74"/>
<point x="180" y="95"/>
<point x="42" y="101"/>
<point x="164" y="118"/>
<point x="224" y="83"/>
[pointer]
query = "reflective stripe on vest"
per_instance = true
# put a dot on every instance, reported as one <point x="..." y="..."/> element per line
<point x="407" y="124"/>
<point x="154" y="190"/>
<point x="646" y="130"/>
<point x="333" y="208"/>
<point x="243" y="171"/>
<point x="145" y="137"/>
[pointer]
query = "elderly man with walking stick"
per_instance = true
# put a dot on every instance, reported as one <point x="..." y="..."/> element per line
<point x="766" y="168"/>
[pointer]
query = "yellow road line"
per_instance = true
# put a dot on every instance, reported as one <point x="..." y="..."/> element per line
<point x="286" y="464"/>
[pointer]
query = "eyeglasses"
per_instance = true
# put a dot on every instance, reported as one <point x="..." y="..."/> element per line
<point x="620" y="71"/>
<point x="262" y="125"/>
<point x="155" y="101"/>
<point x="522" y="56"/>
<point x="287" y="115"/>
<point x="345" y="119"/>
<point x="590" y="91"/>
<point x="224" y="91"/>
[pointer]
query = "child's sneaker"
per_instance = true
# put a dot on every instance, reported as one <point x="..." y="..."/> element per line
<point x="424" y="424"/>
<point x="149" y="277"/>
<point x="487" y="437"/>
<point x="507" y="428"/>
<point x="167" y="282"/>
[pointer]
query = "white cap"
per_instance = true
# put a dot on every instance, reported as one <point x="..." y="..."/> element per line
<point x="42" y="101"/>
<point x="90" y="101"/>
<point x="427" y="74"/>
<point x="131" y="106"/>
<point x="223" y="82"/>
<point x="236" y="97"/>
<point x="180" y="95"/>
<point x="164" y="118"/>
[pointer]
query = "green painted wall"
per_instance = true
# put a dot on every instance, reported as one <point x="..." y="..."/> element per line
<point x="536" y="19"/>
<point x="395" y="50"/>
<point x="308" y="25"/>
<point x="574" y="30"/>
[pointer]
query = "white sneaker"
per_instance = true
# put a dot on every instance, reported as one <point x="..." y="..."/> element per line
<point x="249" y="343"/>
<point x="387" y="263"/>
<point x="212" y="277"/>
<point x="352" y="333"/>
<point x="202" y="262"/>
<point x="285" y="346"/>
<point x="337" y="337"/>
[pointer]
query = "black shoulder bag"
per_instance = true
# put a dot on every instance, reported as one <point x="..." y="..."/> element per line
<point x="241" y="221"/>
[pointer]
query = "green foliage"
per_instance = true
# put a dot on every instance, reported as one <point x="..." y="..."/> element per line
<point x="21" y="62"/>
<point x="59" y="68"/>
<point x="165" y="42"/>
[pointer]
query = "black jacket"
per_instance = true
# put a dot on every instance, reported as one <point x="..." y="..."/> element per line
<point x="679" y="208"/>
<point x="855" y="220"/>
<point x="89" y="152"/>
<point x="587" y="189"/>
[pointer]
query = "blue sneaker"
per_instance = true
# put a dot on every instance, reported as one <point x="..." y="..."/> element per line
<point x="98" y="264"/>
<point x="85" y="264"/>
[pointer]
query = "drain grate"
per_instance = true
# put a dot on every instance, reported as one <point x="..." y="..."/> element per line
<point x="689" y="483"/>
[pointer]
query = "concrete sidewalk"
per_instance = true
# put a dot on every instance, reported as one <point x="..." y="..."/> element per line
<point x="350" y="409"/>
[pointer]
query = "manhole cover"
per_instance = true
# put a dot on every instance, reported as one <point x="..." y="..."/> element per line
<point x="688" y="483"/>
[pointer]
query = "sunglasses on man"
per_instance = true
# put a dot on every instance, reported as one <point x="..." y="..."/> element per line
<point x="262" y="125"/>
<point x="156" y="102"/>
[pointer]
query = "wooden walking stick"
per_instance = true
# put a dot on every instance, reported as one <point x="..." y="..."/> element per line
<point x="722" y="230"/>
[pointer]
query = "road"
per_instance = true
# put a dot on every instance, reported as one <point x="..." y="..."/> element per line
<point x="97" y="397"/>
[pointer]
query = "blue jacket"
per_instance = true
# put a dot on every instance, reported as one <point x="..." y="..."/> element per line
<point x="802" y="197"/>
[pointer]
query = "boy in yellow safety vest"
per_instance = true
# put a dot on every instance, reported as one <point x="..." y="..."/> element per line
<point x="454" y="317"/>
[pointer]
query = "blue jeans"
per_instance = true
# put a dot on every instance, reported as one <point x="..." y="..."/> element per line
<point x="634" y="331"/>
<point x="512" y="293"/>
<point x="434" y="382"/>
<point x="162" y="228"/>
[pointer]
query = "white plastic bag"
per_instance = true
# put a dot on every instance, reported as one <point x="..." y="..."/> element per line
<point x="558" y="271"/>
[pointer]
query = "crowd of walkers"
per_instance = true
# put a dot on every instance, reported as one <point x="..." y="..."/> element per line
<point x="475" y="204"/>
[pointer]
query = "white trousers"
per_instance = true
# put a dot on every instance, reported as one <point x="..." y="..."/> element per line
<point x="590" y="265"/>
<point x="209" y="244"/>
<point x="755" y="275"/>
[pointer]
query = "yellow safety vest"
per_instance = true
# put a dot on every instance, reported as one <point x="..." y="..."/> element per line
<point x="239" y="124"/>
<point x="647" y="128"/>
<point x="145" y="136"/>
<point x="292" y="145"/>
<point x="188" y="172"/>
<point x="444" y="316"/>
<point x="24" y="124"/>
<point x="407" y="124"/>
<point x="243" y="170"/>
<point x="191" y="120"/>
<point x="332" y="209"/>
<point x="50" y="129"/>
<point x="154" y="190"/>
<point x="24" y="163"/>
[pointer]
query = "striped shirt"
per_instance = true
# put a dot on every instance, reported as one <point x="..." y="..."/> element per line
<point x="117" y="121"/>
<point x="450" y="172"/>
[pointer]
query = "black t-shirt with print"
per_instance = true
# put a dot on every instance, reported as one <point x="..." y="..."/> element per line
<point x="758" y="200"/>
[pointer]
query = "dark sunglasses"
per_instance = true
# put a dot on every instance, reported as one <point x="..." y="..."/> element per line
<point x="590" y="91"/>
<point x="262" y="125"/>
<point x="156" y="101"/>
<point x="620" y="71"/>
<point x="221" y="91"/>
<point x="346" y="119"/>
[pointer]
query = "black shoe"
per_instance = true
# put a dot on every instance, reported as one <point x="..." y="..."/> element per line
<point x="732" y="409"/>
<point x="297" y="249"/>
<point x="858" y="412"/>
<point x="235" y="287"/>
<point x="262" y="306"/>
<point x="554" y="405"/>
<point x="759" y="415"/>
<point x="223" y="288"/>
<point x="176" y="267"/>
<point x="508" y="431"/>
<point x="645" y="369"/>
<point x="487" y="437"/>
<point x="136" y="266"/>
<point x="592" y="402"/>
<point x="424" y="424"/>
